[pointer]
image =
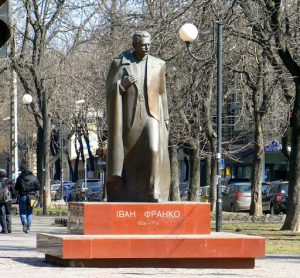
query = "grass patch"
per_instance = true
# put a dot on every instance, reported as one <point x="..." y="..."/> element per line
<point x="57" y="211"/>
<point x="51" y="211"/>
<point x="277" y="241"/>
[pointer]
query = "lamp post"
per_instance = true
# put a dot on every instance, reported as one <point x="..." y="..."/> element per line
<point x="188" y="33"/>
<point x="27" y="100"/>
<point x="80" y="102"/>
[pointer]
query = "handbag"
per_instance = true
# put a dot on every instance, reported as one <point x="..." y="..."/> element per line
<point x="33" y="200"/>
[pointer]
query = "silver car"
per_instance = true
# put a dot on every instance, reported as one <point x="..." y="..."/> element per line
<point x="79" y="191"/>
<point x="54" y="188"/>
<point x="237" y="197"/>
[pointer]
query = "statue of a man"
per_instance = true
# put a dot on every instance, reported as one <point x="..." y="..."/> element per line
<point x="138" y="166"/>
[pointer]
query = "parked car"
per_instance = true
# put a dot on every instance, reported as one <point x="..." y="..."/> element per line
<point x="265" y="185"/>
<point x="275" y="197"/>
<point x="237" y="180"/>
<point x="95" y="193"/>
<point x="204" y="193"/>
<point x="237" y="197"/>
<point x="54" y="187"/>
<point x="184" y="190"/>
<point x="79" y="190"/>
<point x="68" y="186"/>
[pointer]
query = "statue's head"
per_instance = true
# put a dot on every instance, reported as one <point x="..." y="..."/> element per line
<point x="141" y="41"/>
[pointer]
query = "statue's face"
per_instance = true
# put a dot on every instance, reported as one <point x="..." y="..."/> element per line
<point x="142" y="47"/>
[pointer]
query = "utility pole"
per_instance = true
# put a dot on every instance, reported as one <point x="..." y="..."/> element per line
<point x="14" y="102"/>
<point x="6" y="23"/>
<point x="14" y="126"/>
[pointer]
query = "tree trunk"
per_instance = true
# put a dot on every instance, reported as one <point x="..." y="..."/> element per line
<point x="76" y="163"/>
<point x="76" y="167"/>
<point x="57" y="167"/>
<point x="284" y="141"/>
<point x="212" y="138"/>
<point x="208" y="170"/>
<point x="39" y="160"/>
<point x="70" y="166"/>
<point x="292" y="220"/>
<point x="174" y="188"/>
<point x="55" y="149"/>
<point x="256" y="175"/>
<point x="187" y="165"/>
<point x="40" y="164"/>
<point x="91" y="157"/>
<point x="81" y="150"/>
<point x="195" y="176"/>
<point x="47" y="166"/>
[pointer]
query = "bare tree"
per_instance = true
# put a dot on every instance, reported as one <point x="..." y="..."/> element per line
<point x="288" y="50"/>
<point x="281" y="38"/>
<point x="39" y="65"/>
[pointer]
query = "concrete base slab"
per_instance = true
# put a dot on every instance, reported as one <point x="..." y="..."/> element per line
<point x="157" y="263"/>
<point x="147" y="235"/>
<point x="215" y="250"/>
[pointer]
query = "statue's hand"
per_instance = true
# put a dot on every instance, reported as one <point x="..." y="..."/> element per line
<point x="127" y="81"/>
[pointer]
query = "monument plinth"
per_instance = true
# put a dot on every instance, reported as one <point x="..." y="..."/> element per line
<point x="138" y="218"/>
<point x="147" y="235"/>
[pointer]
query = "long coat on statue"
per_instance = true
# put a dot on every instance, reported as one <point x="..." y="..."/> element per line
<point x="138" y="167"/>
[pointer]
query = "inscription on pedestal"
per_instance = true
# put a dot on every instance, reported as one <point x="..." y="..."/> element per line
<point x="148" y="217"/>
<point x="145" y="217"/>
<point x="139" y="218"/>
<point x="126" y="214"/>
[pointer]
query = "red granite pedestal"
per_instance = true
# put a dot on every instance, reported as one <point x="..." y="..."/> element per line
<point x="147" y="235"/>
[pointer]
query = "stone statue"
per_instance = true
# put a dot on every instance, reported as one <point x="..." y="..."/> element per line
<point x="138" y="166"/>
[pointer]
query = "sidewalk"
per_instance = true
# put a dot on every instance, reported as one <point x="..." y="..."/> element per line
<point x="19" y="258"/>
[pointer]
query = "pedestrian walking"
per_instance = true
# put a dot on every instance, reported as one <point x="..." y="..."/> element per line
<point x="6" y="192"/>
<point x="27" y="186"/>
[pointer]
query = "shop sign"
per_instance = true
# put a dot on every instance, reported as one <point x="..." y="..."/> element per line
<point x="273" y="146"/>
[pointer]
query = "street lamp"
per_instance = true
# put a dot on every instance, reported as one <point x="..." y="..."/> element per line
<point x="188" y="33"/>
<point x="80" y="101"/>
<point x="27" y="99"/>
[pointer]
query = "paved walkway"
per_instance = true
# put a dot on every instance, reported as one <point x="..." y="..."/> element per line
<point x="19" y="258"/>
